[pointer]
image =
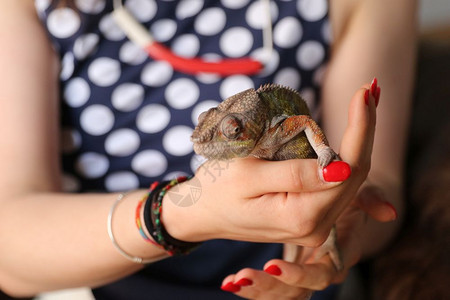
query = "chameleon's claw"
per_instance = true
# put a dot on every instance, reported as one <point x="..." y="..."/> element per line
<point x="330" y="247"/>
<point x="325" y="156"/>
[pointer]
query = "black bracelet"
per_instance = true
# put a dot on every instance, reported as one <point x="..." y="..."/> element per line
<point x="152" y="220"/>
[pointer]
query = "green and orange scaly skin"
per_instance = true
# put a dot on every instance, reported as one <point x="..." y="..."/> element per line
<point x="271" y="123"/>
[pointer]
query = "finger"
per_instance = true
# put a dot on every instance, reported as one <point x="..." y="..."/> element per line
<point x="228" y="284"/>
<point x="357" y="142"/>
<point x="264" y="286"/>
<point x="297" y="175"/>
<point x="372" y="201"/>
<point x="313" y="276"/>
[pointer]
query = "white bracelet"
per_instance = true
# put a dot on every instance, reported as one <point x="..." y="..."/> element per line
<point x="134" y="259"/>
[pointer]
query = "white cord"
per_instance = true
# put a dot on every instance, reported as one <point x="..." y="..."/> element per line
<point x="267" y="31"/>
<point x="141" y="36"/>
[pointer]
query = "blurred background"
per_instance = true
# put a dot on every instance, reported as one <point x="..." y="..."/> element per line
<point x="434" y="15"/>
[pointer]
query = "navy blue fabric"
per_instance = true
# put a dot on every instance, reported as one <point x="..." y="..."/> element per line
<point x="198" y="275"/>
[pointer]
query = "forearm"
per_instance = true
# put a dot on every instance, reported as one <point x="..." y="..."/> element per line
<point x="378" y="41"/>
<point x="52" y="241"/>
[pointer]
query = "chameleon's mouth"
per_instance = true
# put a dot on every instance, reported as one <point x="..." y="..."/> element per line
<point x="223" y="149"/>
<point x="197" y="138"/>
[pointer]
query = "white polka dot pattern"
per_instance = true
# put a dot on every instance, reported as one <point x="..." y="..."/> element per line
<point x="163" y="30"/>
<point x="143" y="10"/>
<point x="288" y="32"/>
<point x="188" y="8"/>
<point x="132" y="54"/>
<point x="122" y="142"/>
<point x="182" y="93"/>
<point x="156" y="73"/>
<point x="127" y="96"/>
<point x="150" y="163"/>
<point x="186" y="45"/>
<point x="127" y="119"/>
<point x="104" y="71"/>
<point x="312" y="10"/>
<point x="153" y="118"/>
<point x="256" y="12"/>
<point x="110" y="29"/>
<point x="97" y="119"/>
<point x="121" y="181"/>
<point x="85" y="45"/>
<point x="91" y="6"/>
<point x="210" y="22"/>
<point x="63" y="22"/>
<point x="77" y="92"/>
<point x="177" y="142"/>
<point x="92" y="165"/>
<point x="236" y="42"/>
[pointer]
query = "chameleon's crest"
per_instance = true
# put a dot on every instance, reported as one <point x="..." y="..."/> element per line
<point x="282" y="99"/>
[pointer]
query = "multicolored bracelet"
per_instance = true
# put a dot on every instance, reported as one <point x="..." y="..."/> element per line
<point x="152" y="220"/>
<point x="138" y="215"/>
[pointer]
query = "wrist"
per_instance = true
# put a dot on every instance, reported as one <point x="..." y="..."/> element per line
<point x="183" y="214"/>
<point x="123" y="232"/>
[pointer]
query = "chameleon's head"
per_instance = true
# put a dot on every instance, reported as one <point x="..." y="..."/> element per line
<point x="231" y="129"/>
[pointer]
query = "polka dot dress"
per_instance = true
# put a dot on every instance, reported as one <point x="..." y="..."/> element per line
<point x="127" y="119"/>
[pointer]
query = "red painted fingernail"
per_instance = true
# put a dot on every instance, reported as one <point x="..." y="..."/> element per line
<point x="366" y="97"/>
<point x="373" y="86"/>
<point x="244" y="282"/>
<point x="394" y="211"/>
<point x="273" y="270"/>
<point x="377" y="96"/>
<point x="336" y="171"/>
<point x="230" y="287"/>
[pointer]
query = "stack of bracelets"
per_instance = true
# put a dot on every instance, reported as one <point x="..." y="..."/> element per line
<point x="152" y="203"/>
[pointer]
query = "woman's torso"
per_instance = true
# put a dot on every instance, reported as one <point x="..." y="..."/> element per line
<point x="127" y="119"/>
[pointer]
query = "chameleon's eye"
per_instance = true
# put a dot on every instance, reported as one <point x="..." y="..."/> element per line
<point x="231" y="126"/>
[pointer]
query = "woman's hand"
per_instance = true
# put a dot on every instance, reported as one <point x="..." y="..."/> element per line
<point x="283" y="201"/>
<point x="299" y="279"/>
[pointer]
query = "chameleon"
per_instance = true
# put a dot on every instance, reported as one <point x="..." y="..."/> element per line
<point x="271" y="123"/>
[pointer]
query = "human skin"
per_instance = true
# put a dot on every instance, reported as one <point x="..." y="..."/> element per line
<point x="370" y="38"/>
<point x="52" y="240"/>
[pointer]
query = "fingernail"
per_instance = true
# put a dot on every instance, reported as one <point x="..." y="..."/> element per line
<point x="244" y="282"/>
<point x="230" y="287"/>
<point x="273" y="270"/>
<point x="373" y="86"/>
<point x="336" y="171"/>
<point x="366" y="97"/>
<point x="377" y="96"/>
<point x="393" y="211"/>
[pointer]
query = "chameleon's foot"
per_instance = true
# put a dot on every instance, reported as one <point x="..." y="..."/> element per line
<point x="291" y="252"/>
<point x="325" y="156"/>
<point x="330" y="247"/>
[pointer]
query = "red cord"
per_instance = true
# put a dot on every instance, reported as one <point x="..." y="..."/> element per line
<point x="225" y="67"/>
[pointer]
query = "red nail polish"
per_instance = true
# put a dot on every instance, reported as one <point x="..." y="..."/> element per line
<point x="273" y="270"/>
<point x="244" y="282"/>
<point x="377" y="96"/>
<point x="336" y="171"/>
<point x="366" y="97"/>
<point x="230" y="287"/>
<point x="373" y="86"/>
<point x="394" y="211"/>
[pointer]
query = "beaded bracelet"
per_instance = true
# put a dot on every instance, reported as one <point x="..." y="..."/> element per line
<point x="138" y="215"/>
<point x="152" y="219"/>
